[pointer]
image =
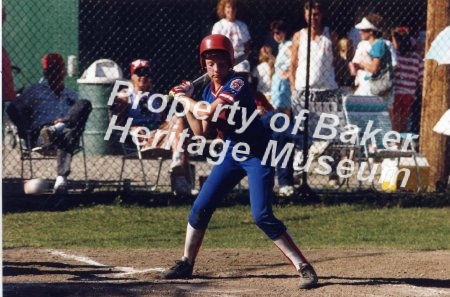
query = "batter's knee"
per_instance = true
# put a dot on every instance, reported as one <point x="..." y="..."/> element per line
<point x="270" y="225"/>
<point x="199" y="218"/>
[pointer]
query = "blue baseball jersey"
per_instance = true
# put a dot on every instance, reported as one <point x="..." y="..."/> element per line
<point x="237" y="89"/>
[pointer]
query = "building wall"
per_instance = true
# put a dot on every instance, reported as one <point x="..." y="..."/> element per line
<point x="36" y="27"/>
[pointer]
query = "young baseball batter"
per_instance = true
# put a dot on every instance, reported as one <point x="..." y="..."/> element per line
<point x="228" y="88"/>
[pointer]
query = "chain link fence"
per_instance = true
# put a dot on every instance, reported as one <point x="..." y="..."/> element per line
<point x="168" y="33"/>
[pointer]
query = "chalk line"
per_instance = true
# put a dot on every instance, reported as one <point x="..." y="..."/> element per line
<point x="124" y="271"/>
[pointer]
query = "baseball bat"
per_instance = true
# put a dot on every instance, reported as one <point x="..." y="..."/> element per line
<point x="205" y="78"/>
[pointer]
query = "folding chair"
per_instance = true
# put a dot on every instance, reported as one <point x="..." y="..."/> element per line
<point x="370" y="113"/>
<point x="29" y="154"/>
<point x="334" y="147"/>
<point x="131" y="150"/>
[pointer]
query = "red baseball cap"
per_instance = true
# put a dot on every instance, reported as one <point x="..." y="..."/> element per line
<point x="139" y="63"/>
<point x="52" y="61"/>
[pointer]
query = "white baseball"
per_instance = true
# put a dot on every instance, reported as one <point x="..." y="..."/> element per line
<point x="35" y="186"/>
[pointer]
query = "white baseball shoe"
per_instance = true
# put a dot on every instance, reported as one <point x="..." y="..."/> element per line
<point x="60" y="185"/>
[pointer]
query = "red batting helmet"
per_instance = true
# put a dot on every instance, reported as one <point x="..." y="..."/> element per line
<point x="216" y="42"/>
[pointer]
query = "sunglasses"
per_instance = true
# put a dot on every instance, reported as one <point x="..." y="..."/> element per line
<point x="142" y="72"/>
<point x="276" y="32"/>
<point x="366" y="30"/>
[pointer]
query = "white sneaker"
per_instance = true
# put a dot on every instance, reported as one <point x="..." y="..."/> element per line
<point x="286" y="191"/>
<point x="60" y="184"/>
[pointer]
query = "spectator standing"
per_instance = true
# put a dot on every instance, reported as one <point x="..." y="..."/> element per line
<point x="281" y="90"/>
<point x="376" y="66"/>
<point x="54" y="114"/>
<point x="407" y="77"/>
<point x="236" y="30"/>
<point x="281" y="98"/>
<point x="322" y="82"/>
<point x="264" y="70"/>
<point x="323" y="41"/>
<point x="361" y="55"/>
<point x="379" y="59"/>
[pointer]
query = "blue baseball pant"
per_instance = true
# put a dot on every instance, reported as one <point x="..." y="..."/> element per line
<point x="223" y="178"/>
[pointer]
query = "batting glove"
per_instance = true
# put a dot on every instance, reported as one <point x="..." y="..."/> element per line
<point x="183" y="89"/>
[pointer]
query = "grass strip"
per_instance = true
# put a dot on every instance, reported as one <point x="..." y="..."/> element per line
<point x="119" y="226"/>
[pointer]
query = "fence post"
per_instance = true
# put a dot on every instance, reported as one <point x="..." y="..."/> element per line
<point x="436" y="94"/>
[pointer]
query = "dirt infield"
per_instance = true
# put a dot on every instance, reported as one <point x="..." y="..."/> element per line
<point x="85" y="272"/>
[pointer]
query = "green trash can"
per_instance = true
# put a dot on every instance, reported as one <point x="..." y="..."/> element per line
<point x="96" y="85"/>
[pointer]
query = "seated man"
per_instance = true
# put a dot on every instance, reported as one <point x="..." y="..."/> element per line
<point x="53" y="114"/>
<point x="140" y="71"/>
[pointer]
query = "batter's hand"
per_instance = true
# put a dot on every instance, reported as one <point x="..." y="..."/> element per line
<point x="183" y="89"/>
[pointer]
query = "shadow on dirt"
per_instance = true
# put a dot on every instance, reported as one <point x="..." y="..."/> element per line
<point x="361" y="281"/>
<point x="77" y="272"/>
<point x="129" y="289"/>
